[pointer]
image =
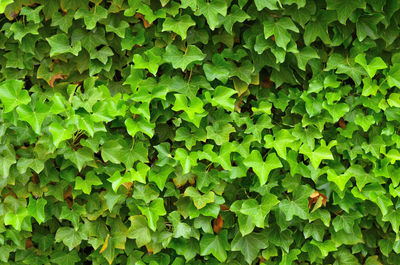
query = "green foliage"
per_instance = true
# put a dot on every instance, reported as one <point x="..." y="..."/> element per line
<point x="199" y="132"/>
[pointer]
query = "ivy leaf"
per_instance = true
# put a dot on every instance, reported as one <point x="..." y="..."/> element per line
<point x="32" y="14"/>
<point x="298" y="206"/>
<point x="283" y="140"/>
<point x="222" y="97"/>
<point x="186" y="160"/>
<point x="60" y="44"/>
<point x="68" y="236"/>
<point x="63" y="21"/>
<point x="394" y="218"/>
<point x="73" y="215"/>
<point x="153" y="212"/>
<point x="179" y="25"/>
<point x="60" y="257"/>
<point x="306" y="54"/>
<point x="269" y="4"/>
<point x="250" y="245"/>
<point x="139" y="125"/>
<point x="111" y="151"/>
<point x="34" y="115"/>
<point x="79" y="157"/>
<point x="318" y="28"/>
<point x="319" y="154"/>
<point x="289" y="258"/>
<point x="199" y="200"/>
<point x="60" y="133"/>
<point x="12" y="95"/>
<point x="86" y="184"/>
<point x="36" y="208"/>
<point x="344" y="8"/>
<point x="376" y="64"/>
<point x="4" y="4"/>
<point x="217" y="245"/>
<point x="21" y="30"/>
<point x="139" y="230"/>
<point x="210" y="11"/>
<point x="261" y="168"/>
<point x="219" y="132"/>
<point x="91" y="17"/>
<point x="183" y="60"/>
<point x="258" y="212"/>
<point x="393" y="76"/>
<point x="151" y="60"/>
<point x="340" y="180"/>
<point x="16" y="219"/>
<point x="367" y="26"/>
<point x="236" y="14"/>
<point x="279" y="29"/>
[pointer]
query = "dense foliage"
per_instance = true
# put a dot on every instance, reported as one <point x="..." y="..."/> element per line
<point x="199" y="132"/>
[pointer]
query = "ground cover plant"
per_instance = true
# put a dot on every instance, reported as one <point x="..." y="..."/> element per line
<point x="199" y="132"/>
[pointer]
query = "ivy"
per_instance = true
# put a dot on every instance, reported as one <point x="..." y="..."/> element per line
<point x="199" y="132"/>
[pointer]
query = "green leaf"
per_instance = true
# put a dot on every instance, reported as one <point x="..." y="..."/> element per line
<point x="217" y="245"/>
<point x="139" y="230"/>
<point x="140" y="125"/>
<point x="151" y="60"/>
<point x="60" y="133"/>
<point x="250" y="245"/>
<point x="60" y="45"/>
<point x="36" y="209"/>
<point x="32" y="14"/>
<point x="86" y="184"/>
<point x="186" y="160"/>
<point x="306" y="54"/>
<point x="16" y="219"/>
<point x="269" y="4"/>
<point x="20" y="30"/>
<point x="79" y="157"/>
<point x="258" y="212"/>
<point x="60" y="257"/>
<point x="261" y="168"/>
<point x="4" y="4"/>
<point x="210" y="11"/>
<point x="222" y="97"/>
<point x="364" y="121"/>
<point x="182" y="60"/>
<point x="394" y="218"/>
<point x="111" y="151"/>
<point x="367" y="26"/>
<point x="279" y="29"/>
<point x="319" y="154"/>
<point x="91" y="17"/>
<point x="298" y="206"/>
<point x="283" y="140"/>
<point x="235" y="15"/>
<point x="344" y="8"/>
<point x="199" y="200"/>
<point x="12" y="95"/>
<point x="393" y="76"/>
<point x="318" y="28"/>
<point x="153" y="212"/>
<point x="375" y="64"/>
<point x="34" y="115"/>
<point x="73" y="215"/>
<point x="68" y="236"/>
<point x="179" y="25"/>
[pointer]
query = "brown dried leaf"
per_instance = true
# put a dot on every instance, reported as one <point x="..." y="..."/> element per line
<point x="217" y="224"/>
<point x="55" y="77"/>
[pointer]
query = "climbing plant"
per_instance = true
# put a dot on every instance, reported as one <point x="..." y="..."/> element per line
<point x="199" y="132"/>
